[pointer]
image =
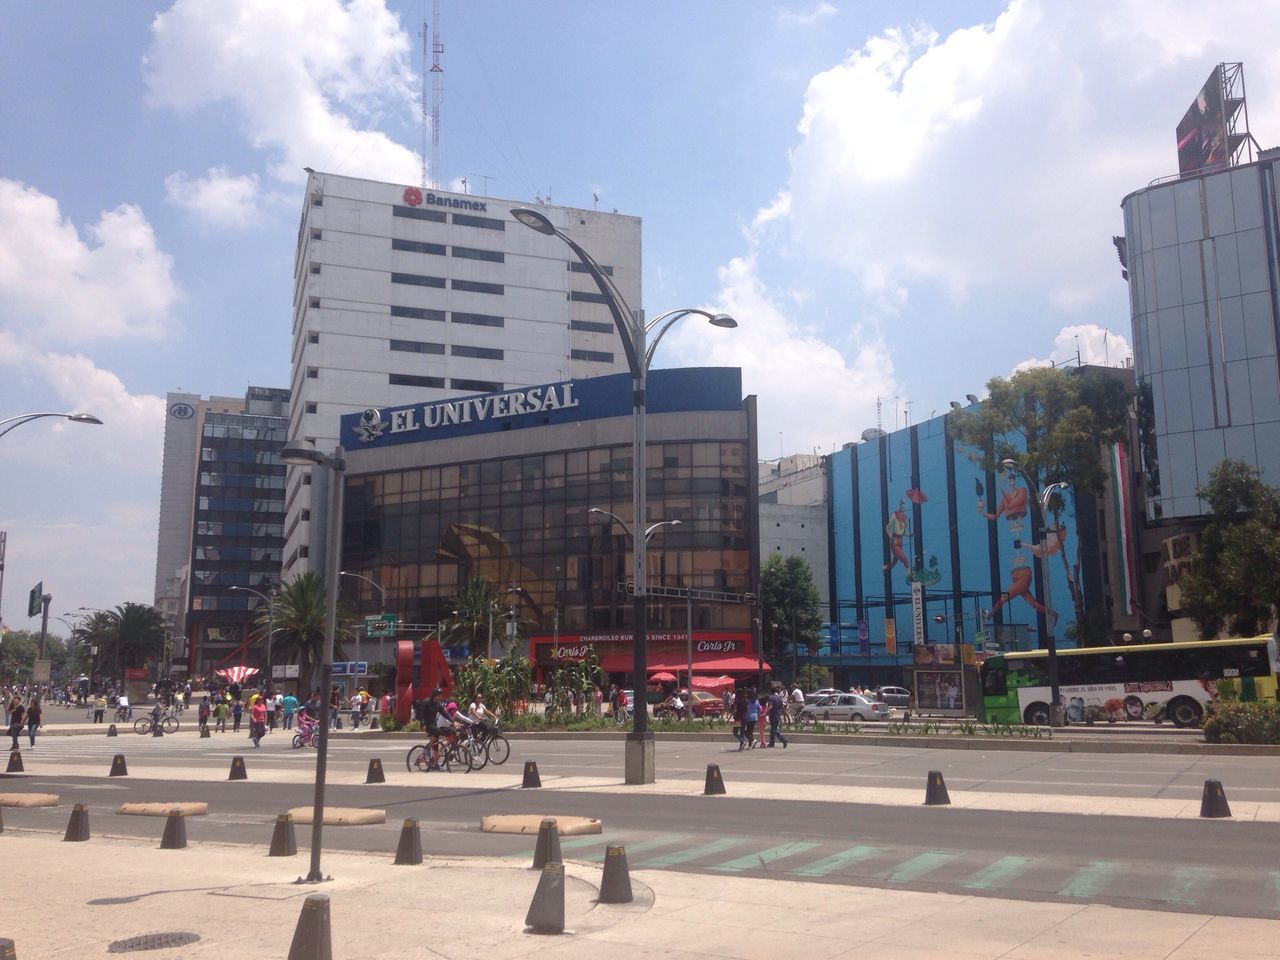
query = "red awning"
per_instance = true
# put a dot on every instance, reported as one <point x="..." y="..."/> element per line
<point x="717" y="665"/>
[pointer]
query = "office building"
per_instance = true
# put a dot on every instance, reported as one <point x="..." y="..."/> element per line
<point x="404" y="295"/>
<point x="793" y="513"/>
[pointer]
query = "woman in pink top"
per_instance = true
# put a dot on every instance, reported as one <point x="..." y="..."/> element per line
<point x="257" y="720"/>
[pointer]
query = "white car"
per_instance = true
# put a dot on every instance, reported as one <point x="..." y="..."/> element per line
<point x="844" y="706"/>
<point x="819" y="694"/>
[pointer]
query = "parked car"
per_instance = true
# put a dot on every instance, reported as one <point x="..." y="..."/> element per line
<point x="844" y="706"/>
<point x="893" y="696"/>
<point x="705" y="704"/>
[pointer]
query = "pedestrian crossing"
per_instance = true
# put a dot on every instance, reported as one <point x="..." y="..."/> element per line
<point x="1133" y="884"/>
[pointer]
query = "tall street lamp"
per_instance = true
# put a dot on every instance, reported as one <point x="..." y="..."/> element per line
<point x="271" y="622"/>
<point x="634" y="332"/>
<point x="303" y="454"/>
<point x="1040" y="505"/>
<point x="18" y="421"/>
<point x="382" y="608"/>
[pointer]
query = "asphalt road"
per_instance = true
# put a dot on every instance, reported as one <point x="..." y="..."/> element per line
<point x="1185" y="865"/>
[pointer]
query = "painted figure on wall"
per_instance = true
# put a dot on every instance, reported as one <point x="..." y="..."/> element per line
<point x="1013" y="508"/>
<point x="897" y="529"/>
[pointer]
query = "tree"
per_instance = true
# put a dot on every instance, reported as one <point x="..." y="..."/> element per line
<point x="139" y="634"/>
<point x="790" y="603"/>
<point x="1233" y="585"/>
<point x="1053" y="424"/>
<point x="298" y="615"/>
<point x="474" y="607"/>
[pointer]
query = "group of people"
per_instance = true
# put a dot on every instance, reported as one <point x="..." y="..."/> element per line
<point x="750" y="707"/>
<point x="30" y="715"/>
<point x="439" y="720"/>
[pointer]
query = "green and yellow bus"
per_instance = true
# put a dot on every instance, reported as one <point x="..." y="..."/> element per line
<point x="1149" y="681"/>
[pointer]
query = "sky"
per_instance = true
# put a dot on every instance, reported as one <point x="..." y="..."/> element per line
<point x="897" y="199"/>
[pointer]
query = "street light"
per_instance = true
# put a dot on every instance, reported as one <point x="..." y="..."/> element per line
<point x="28" y="417"/>
<point x="382" y="608"/>
<point x="1040" y="501"/>
<point x="271" y="622"/>
<point x="305" y="455"/>
<point x="633" y="331"/>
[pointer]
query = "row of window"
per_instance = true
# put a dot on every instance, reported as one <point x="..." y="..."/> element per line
<point x="241" y="505"/>
<point x="257" y="481"/>
<point x="459" y="219"/>
<point x="231" y="431"/>
<point x="470" y="286"/>
<point x="439" y="250"/>
<point x="266" y="456"/>
<point x="438" y="383"/>
<point x="238" y="528"/>
<point x="457" y="350"/>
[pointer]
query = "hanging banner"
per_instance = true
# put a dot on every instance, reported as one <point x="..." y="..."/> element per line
<point x="917" y="612"/>
<point x="864" y="638"/>
<point x="890" y="637"/>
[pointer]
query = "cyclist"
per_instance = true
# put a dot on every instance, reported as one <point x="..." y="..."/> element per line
<point x="435" y="721"/>
<point x="123" y="710"/>
<point x="157" y="712"/>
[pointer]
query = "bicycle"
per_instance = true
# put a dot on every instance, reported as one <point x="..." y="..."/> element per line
<point x="307" y="735"/>
<point x="145" y="725"/>
<point x="494" y="744"/>
<point x="448" y="750"/>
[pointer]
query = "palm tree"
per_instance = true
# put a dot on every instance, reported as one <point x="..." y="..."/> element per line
<point x="473" y="607"/>
<point x="97" y="630"/>
<point x="134" y="632"/>
<point x="298" y="616"/>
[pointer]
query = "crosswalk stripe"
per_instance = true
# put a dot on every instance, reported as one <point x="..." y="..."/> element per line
<point x="1186" y="880"/>
<point x="1089" y="880"/>
<point x="633" y="848"/>
<point x="573" y="843"/>
<point x="998" y="874"/>
<point x="692" y="853"/>
<point x="1275" y="881"/>
<point x="764" y="856"/>
<point x="918" y="866"/>
<point x="829" y="865"/>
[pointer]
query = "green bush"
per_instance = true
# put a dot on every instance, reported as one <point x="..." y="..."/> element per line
<point x="388" y="723"/>
<point x="1254" y="722"/>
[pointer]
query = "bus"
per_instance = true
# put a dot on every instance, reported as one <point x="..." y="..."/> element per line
<point x="1148" y="681"/>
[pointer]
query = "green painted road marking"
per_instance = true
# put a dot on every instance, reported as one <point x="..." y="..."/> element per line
<point x="693" y="853"/>
<point x="827" y="865"/>
<point x="918" y="866"/>
<point x="1089" y="880"/>
<point x="1275" y="879"/>
<point x="635" y="848"/>
<point x="573" y="843"/>
<point x="997" y="874"/>
<point x="762" y="857"/>
<point x="1185" y="880"/>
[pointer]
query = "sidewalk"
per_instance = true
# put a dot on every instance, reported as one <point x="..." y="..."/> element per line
<point x="74" y="899"/>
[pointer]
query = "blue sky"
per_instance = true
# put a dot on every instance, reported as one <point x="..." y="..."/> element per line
<point x="896" y="200"/>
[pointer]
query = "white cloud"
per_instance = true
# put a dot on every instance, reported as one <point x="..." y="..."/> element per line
<point x="1096" y="345"/>
<point x="994" y="158"/>
<point x="63" y="288"/>
<point x="310" y="80"/>
<point x="804" y="18"/>
<point x="219" y="198"/>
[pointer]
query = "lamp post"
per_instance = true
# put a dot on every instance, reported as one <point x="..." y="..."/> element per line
<point x="382" y="608"/>
<point x="11" y="422"/>
<point x="305" y="455"/>
<point x="634" y="332"/>
<point x="271" y="622"/>
<point x="1040" y="504"/>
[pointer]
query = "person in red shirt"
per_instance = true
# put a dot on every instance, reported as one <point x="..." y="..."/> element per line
<point x="257" y="721"/>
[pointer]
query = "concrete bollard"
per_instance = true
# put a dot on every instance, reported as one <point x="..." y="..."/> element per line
<point x="531" y="778"/>
<point x="118" y="767"/>
<point x="547" y="849"/>
<point x="1" y="819"/>
<point x="78" y="825"/>
<point x="175" y="831"/>
<point x="204" y="732"/>
<point x="15" y="762"/>
<point x="715" y="783"/>
<point x="546" y="912"/>
<point x="409" y="850"/>
<point x="935" y="791"/>
<point x="283" y="841"/>
<point x="238" y="771"/>
<point x="375" y="774"/>
<point x="1214" y="801"/>
<point x="311" y="937"/>
<point x="615" y="882"/>
<point x="112" y="731"/>
<point x="7" y="949"/>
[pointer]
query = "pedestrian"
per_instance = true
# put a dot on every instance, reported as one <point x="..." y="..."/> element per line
<point x="34" y="715"/>
<point x="237" y="711"/>
<point x="290" y="706"/>
<point x="776" y="709"/>
<point x="740" y="720"/>
<point x="99" y="708"/>
<point x="16" y="717"/>
<point x="271" y="711"/>
<point x="203" y="713"/>
<point x="220" y="710"/>
<point x="797" y="702"/>
<point x="751" y="713"/>
<point x="762" y="713"/>
<point x="258" y="721"/>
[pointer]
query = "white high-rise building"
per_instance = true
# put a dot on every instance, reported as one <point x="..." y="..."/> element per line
<point x="404" y="295"/>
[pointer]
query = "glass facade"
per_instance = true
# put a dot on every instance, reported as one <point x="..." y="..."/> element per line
<point x="912" y="513"/>
<point x="1202" y="286"/>
<point x="524" y="521"/>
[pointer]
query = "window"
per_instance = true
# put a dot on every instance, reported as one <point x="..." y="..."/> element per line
<point x="477" y="319"/>
<point x="313" y="337"/>
<point x="315" y="235"/>
<point x="576" y="267"/>
<point x="315" y="269"/>
<point x="417" y="313"/>
<point x="317" y="199"/>
<point x="310" y="406"/>
<point x="479" y="386"/>
<point x="313" y="302"/>
<point x="470" y="253"/>
<point x="474" y="286"/>
<point x="417" y="346"/>
<point x="590" y="326"/>
<point x="408" y="380"/>
<point x="595" y="356"/>
<point x="418" y="280"/>
<point x="417" y="246"/>
<point x="414" y="213"/>
<point x="484" y="223"/>
<point x="313" y="373"/>
<point x="479" y="353"/>
<point x="582" y="296"/>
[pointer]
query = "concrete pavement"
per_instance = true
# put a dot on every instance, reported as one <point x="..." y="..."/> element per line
<point x="75" y="899"/>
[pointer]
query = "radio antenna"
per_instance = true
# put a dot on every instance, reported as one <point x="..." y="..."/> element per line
<point x="437" y="92"/>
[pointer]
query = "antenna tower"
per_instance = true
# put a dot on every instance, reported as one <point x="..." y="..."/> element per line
<point x="437" y="92"/>
<point x="422" y="106"/>
<point x="879" y="424"/>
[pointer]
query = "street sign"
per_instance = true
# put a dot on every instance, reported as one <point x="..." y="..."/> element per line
<point x="382" y="625"/>
<point x="340" y="669"/>
<point x="35" y="600"/>
<point x="917" y="612"/>
<point x="284" y="671"/>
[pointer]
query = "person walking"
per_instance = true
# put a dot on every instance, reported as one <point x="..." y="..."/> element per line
<point x="739" y="705"/>
<point x="203" y="713"/>
<point x="271" y="711"/>
<point x="220" y="710"/>
<point x="237" y="711"/>
<point x="257" y="721"/>
<point x="289" y="706"/>
<point x="34" y="715"/>
<point x="99" y="708"/>
<point x="750" y="714"/>
<point x="16" y="717"/>
<point x="762" y="711"/>
<point x="776" y="709"/>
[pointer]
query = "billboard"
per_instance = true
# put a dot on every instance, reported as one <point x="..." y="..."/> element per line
<point x="1202" y="134"/>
